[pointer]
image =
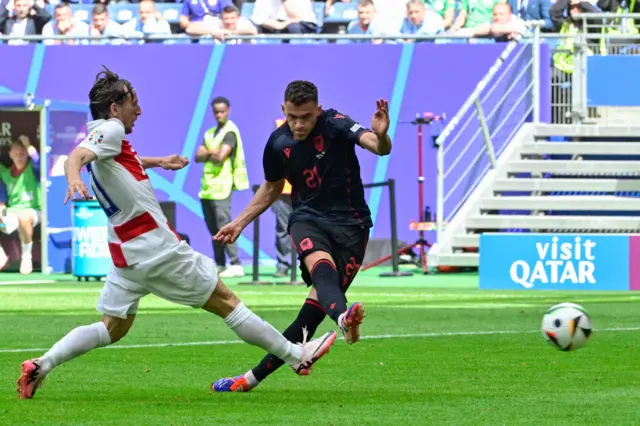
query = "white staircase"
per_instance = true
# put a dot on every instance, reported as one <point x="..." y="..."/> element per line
<point x="528" y="192"/>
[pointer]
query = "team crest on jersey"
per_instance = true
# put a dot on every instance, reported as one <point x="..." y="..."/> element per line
<point x="96" y="137"/>
<point x="318" y="143"/>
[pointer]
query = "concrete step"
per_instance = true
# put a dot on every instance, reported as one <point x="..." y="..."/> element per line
<point x="566" y="223"/>
<point x="574" y="167"/>
<point x="608" y="203"/>
<point x="569" y="185"/>
<point x="459" y="259"/>
<point x="465" y="240"/>
<point x="586" y="130"/>
<point x="581" y="148"/>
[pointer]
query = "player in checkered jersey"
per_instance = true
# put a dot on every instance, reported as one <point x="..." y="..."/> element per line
<point x="148" y="256"/>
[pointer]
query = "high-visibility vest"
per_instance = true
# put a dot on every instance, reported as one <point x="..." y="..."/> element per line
<point x="628" y="25"/>
<point x="287" y="185"/>
<point x="218" y="180"/>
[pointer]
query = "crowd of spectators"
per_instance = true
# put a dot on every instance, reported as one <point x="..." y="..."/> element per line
<point x="499" y="20"/>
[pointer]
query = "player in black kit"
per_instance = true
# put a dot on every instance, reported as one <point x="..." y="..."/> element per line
<point x="315" y="151"/>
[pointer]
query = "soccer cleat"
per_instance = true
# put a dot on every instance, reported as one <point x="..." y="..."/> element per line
<point x="351" y="323"/>
<point x="30" y="379"/>
<point x="313" y="351"/>
<point x="232" y="384"/>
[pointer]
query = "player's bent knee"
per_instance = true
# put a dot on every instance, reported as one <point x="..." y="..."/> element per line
<point x="117" y="327"/>
<point x="313" y="258"/>
<point x="222" y="301"/>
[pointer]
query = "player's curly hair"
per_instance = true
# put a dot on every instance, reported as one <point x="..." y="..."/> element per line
<point x="108" y="89"/>
<point x="300" y="92"/>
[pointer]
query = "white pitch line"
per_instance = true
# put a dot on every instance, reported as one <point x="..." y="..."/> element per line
<point x="28" y="282"/>
<point x="381" y="336"/>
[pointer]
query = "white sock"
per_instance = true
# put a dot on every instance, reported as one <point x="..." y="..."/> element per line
<point x="256" y="331"/>
<point x="251" y="379"/>
<point x="26" y="250"/>
<point x="78" y="342"/>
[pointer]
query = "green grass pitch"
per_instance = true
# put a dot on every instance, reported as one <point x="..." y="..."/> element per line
<point x="436" y="351"/>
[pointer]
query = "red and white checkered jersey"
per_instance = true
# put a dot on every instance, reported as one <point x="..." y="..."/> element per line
<point x="138" y="229"/>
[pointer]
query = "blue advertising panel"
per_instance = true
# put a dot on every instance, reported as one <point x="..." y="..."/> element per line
<point x="91" y="257"/>
<point x="554" y="262"/>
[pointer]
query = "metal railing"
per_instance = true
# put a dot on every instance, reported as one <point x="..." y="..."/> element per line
<point x="455" y="181"/>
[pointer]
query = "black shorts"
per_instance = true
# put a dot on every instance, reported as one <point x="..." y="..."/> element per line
<point x="346" y="244"/>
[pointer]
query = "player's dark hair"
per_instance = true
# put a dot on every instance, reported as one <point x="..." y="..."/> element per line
<point x="220" y="100"/>
<point x="99" y="9"/>
<point x="300" y="92"/>
<point x="230" y="9"/>
<point x="107" y="89"/>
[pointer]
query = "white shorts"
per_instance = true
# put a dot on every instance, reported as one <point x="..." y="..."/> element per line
<point x="180" y="275"/>
<point x="11" y="220"/>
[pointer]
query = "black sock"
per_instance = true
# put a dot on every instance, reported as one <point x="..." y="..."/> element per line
<point x="310" y="316"/>
<point x="327" y="283"/>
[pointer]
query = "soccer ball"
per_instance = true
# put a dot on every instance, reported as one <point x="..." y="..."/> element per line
<point x="567" y="326"/>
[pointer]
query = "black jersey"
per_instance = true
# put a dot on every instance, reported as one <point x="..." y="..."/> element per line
<point x="323" y="170"/>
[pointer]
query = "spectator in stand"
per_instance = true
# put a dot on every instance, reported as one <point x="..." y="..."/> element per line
<point x="533" y="10"/>
<point x="474" y="13"/>
<point x="367" y="23"/>
<point x="65" y="24"/>
<point x="284" y="16"/>
<point x="446" y="9"/>
<point x="102" y="26"/>
<point x="148" y="23"/>
<point x="421" y="20"/>
<point x="505" y="26"/>
<point x="232" y="24"/>
<point x="27" y="18"/>
<point x="198" y="16"/>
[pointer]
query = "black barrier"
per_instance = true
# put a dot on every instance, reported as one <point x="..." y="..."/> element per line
<point x="395" y="257"/>
<point x="255" y="279"/>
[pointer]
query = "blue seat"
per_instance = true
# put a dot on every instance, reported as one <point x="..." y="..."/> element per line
<point x="342" y="13"/>
<point x="247" y="10"/>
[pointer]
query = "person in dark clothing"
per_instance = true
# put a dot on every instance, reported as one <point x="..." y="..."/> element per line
<point x="330" y="222"/>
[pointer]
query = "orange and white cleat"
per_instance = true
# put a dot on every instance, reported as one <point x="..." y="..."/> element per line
<point x="30" y="380"/>
<point x="351" y="323"/>
<point x="314" y="350"/>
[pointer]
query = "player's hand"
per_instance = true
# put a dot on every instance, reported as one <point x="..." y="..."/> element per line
<point x="380" y="121"/>
<point x="228" y="234"/>
<point x="174" y="162"/>
<point x="77" y="188"/>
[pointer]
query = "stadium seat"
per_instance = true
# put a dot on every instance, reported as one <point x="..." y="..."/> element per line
<point x="342" y="13"/>
<point x="170" y="11"/>
<point x="247" y="10"/>
<point x="82" y="12"/>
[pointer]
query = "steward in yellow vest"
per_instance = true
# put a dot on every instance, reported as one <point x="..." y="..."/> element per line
<point x="224" y="171"/>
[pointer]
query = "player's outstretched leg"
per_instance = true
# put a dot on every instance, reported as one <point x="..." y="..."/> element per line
<point x="309" y="318"/>
<point x="77" y="342"/>
<point x="256" y="331"/>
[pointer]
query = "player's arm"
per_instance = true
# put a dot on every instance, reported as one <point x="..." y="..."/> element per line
<point x="377" y="144"/>
<point x="262" y="200"/>
<point x="170" y="162"/>
<point x="78" y="158"/>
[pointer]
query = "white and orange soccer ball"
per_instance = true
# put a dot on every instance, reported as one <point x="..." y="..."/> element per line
<point x="567" y="326"/>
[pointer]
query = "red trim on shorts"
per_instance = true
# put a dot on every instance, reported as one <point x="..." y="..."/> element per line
<point x="174" y="231"/>
<point x="117" y="255"/>
<point x="314" y="303"/>
<point x="135" y="227"/>
<point x="294" y="243"/>
<point x="327" y="261"/>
